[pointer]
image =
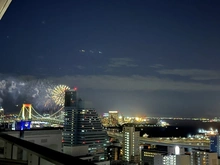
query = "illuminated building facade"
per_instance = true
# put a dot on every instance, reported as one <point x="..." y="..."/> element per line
<point x="131" y="144"/>
<point x="147" y="156"/>
<point x="172" y="159"/>
<point x="213" y="143"/>
<point x="200" y="157"/>
<point x="176" y="150"/>
<point x="82" y="125"/>
<point x="218" y="145"/>
<point x="113" y="118"/>
<point x="114" y="153"/>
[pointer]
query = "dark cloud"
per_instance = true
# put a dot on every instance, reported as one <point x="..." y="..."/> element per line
<point x="156" y="66"/>
<point x="133" y="83"/>
<point x="121" y="62"/>
<point x="194" y="74"/>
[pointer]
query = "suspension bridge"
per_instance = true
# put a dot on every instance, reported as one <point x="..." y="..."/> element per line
<point x="28" y="112"/>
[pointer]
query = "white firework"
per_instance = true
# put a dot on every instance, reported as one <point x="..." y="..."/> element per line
<point x="58" y="94"/>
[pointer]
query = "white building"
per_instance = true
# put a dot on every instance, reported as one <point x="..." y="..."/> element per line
<point x="200" y="157"/>
<point x="172" y="160"/>
<point x="131" y="144"/>
<point x="175" y="150"/>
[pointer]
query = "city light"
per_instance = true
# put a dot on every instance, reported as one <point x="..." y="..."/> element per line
<point x="177" y="150"/>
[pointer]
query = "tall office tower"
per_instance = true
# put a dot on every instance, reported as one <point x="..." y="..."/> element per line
<point x="113" y="117"/>
<point x="131" y="150"/>
<point x="201" y="157"/>
<point x="82" y="126"/>
<point x="218" y="145"/>
<point x="213" y="143"/>
<point x="114" y="153"/>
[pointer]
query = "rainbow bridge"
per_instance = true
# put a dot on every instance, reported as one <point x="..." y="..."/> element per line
<point x="28" y="113"/>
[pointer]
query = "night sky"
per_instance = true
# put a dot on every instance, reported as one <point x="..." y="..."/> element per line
<point x="141" y="57"/>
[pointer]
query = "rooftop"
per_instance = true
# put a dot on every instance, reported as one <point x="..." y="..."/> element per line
<point x="43" y="152"/>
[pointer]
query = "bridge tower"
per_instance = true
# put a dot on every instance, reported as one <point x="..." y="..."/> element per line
<point x="26" y="111"/>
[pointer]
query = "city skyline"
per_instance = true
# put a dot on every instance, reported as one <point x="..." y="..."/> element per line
<point x="138" y="57"/>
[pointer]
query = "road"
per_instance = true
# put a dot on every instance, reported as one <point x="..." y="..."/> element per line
<point x="167" y="141"/>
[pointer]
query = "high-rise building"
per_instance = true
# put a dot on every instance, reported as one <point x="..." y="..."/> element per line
<point x="147" y="155"/>
<point x="213" y="143"/>
<point x="114" y="153"/>
<point x="113" y="118"/>
<point x="82" y="126"/>
<point x="131" y="144"/>
<point x="218" y="145"/>
<point x="202" y="157"/>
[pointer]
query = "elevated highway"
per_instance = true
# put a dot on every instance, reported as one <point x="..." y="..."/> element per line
<point x="181" y="142"/>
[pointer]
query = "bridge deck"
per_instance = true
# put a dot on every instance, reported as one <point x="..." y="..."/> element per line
<point x="187" y="143"/>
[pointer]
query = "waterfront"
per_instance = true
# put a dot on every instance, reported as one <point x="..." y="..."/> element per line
<point x="178" y="128"/>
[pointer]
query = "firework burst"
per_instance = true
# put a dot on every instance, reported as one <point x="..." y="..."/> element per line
<point x="58" y="94"/>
